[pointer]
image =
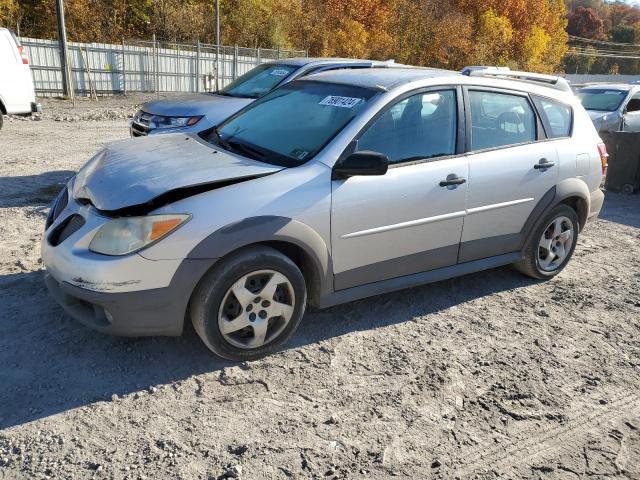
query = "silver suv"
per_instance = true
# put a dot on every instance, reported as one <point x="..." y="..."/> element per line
<point x="335" y="187"/>
<point x="196" y="112"/>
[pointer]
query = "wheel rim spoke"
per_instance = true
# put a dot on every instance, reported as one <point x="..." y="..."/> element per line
<point x="281" y="310"/>
<point x="566" y="236"/>
<point x="241" y="293"/>
<point x="557" y="226"/>
<point x="546" y="262"/>
<point x="259" y="333"/>
<point x="545" y="243"/>
<point x="269" y="289"/>
<point x="230" y="326"/>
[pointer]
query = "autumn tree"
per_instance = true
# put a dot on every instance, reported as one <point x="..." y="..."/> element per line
<point x="585" y="23"/>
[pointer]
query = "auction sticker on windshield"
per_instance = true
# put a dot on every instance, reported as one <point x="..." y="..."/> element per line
<point x="342" y="102"/>
<point x="280" y="72"/>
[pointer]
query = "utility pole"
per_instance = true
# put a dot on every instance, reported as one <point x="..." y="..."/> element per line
<point x="64" y="53"/>
<point x="217" y="44"/>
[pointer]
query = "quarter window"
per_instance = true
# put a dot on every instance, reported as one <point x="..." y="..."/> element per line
<point x="418" y="127"/>
<point x="556" y="117"/>
<point x="499" y="119"/>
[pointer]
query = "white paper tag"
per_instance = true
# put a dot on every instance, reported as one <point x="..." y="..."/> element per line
<point x="279" y="72"/>
<point x="342" y="102"/>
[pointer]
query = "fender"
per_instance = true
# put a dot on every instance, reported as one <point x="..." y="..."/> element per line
<point x="574" y="187"/>
<point x="265" y="229"/>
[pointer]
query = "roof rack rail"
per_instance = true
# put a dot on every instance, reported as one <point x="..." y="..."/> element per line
<point x="553" y="81"/>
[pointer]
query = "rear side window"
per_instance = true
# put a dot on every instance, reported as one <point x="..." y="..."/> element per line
<point x="500" y="119"/>
<point x="557" y="117"/>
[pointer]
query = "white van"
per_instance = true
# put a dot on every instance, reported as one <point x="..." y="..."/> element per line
<point x="17" y="95"/>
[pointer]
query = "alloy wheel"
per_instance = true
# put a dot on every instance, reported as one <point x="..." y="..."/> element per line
<point x="256" y="309"/>
<point x="555" y="243"/>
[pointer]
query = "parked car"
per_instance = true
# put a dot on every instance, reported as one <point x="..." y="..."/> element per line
<point x="17" y="95"/>
<point x="612" y="107"/>
<point x="200" y="111"/>
<point x="335" y="187"/>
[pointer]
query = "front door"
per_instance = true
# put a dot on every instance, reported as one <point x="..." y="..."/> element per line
<point x="403" y="222"/>
<point x="509" y="172"/>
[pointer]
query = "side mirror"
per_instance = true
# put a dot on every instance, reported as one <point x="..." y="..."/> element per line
<point x="360" y="163"/>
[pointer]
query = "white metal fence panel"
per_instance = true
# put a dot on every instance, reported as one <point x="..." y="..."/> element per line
<point x="142" y="66"/>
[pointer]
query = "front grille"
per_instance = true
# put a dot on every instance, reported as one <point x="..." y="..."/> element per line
<point x="58" y="205"/>
<point x="67" y="228"/>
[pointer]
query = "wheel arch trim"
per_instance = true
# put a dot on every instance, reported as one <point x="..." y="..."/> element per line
<point x="575" y="193"/>
<point x="271" y="230"/>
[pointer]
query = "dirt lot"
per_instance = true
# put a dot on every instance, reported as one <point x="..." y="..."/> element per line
<point x="488" y="376"/>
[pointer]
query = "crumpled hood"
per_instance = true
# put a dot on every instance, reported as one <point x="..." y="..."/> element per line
<point x="215" y="107"/>
<point x="596" y="114"/>
<point x="599" y="114"/>
<point x="138" y="171"/>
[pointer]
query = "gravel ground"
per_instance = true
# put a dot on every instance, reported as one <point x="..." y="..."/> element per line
<point x="492" y="375"/>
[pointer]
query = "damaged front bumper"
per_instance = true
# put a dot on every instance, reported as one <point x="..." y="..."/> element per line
<point x="126" y="295"/>
<point x="141" y="313"/>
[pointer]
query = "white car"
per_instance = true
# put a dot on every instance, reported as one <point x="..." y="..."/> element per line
<point x="17" y="95"/>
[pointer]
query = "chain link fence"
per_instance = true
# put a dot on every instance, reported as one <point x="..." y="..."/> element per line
<point x="143" y="66"/>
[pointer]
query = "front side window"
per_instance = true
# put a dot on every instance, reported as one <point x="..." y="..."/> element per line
<point x="601" y="99"/>
<point x="258" y="81"/>
<point x="499" y="119"/>
<point x="290" y="125"/>
<point x="418" y="127"/>
<point x="557" y="117"/>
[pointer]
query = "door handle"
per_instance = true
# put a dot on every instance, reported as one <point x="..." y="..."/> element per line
<point x="543" y="164"/>
<point x="452" y="180"/>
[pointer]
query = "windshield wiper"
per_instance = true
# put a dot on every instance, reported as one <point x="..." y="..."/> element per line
<point x="249" y="151"/>
<point x="221" y="141"/>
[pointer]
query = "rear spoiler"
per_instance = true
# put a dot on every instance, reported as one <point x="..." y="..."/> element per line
<point x="552" y="81"/>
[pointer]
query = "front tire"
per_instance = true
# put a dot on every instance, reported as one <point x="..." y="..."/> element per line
<point x="551" y="244"/>
<point x="249" y="304"/>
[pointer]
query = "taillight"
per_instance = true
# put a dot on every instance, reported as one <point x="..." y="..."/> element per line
<point x="25" y="59"/>
<point x="604" y="157"/>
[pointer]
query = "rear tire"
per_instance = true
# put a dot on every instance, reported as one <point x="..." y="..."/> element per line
<point x="249" y="304"/>
<point x="1" y="119"/>
<point x="550" y="244"/>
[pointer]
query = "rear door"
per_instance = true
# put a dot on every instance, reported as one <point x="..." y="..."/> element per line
<point x="405" y="221"/>
<point x="510" y="169"/>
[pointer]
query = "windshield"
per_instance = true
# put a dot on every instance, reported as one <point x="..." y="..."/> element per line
<point x="290" y="125"/>
<point x="604" y="99"/>
<point x="258" y="81"/>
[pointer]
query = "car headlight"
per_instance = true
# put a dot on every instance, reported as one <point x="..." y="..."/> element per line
<point x="121" y="236"/>
<point x="160" y="121"/>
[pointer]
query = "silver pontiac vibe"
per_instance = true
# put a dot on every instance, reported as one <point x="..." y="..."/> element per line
<point x="331" y="188"/>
